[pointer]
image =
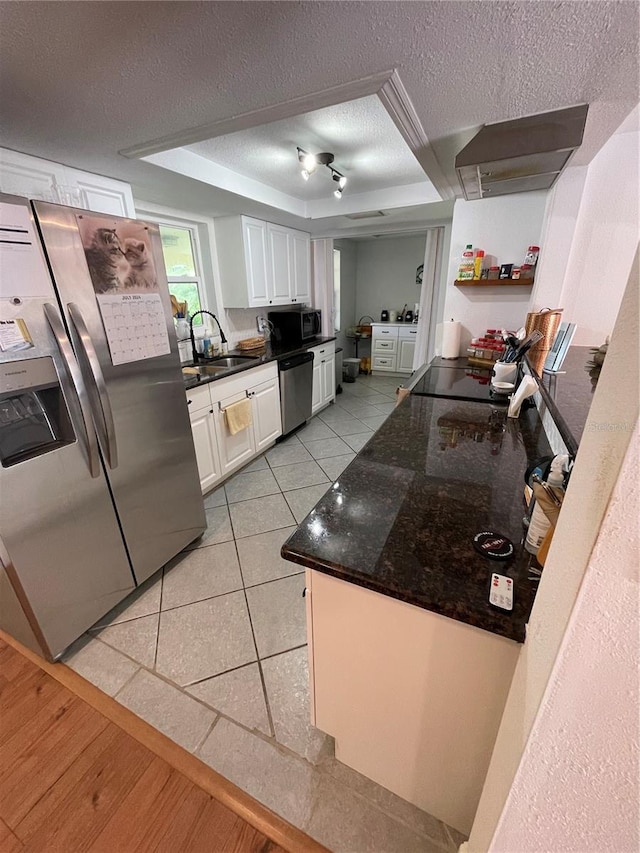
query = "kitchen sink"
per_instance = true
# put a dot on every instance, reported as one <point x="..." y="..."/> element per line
<point x="217" y="366"/>
<point x="228" y="361"/>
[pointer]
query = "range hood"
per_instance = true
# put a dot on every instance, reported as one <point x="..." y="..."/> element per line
<point x="521" y="155"/>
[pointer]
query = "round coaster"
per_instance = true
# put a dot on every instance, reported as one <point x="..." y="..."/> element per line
<point x="495" y="546"/>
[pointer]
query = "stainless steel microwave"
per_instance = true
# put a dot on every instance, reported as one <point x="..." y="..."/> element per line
<point x="295" y="326"/>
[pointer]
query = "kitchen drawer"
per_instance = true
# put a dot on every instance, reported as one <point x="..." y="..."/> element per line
<point x="385" y="345"/>
<point x="391" y="332"/>
<point x="198" y="398"/>
<point x="381" y="362"/>
<point x="323" y="351"/>
<point x="410" y="332"/>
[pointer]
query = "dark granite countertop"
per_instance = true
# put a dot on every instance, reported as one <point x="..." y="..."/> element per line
<point x="401" y="518"/>
<point x="262" y="356"/>
<point x="568" y="395"/>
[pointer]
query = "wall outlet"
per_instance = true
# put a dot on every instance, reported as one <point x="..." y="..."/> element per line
<point x="261" y="323"/>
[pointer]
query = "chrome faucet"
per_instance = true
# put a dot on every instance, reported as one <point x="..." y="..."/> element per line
<point x="194" y="352"/>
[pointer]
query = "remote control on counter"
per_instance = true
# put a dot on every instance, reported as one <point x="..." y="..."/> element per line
<point x="501" y="594"/>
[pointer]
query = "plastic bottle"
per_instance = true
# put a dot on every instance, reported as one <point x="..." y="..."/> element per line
<point x="539" y="523"/>
<point x="466" y="269"/>
<point x="477" y="264"/>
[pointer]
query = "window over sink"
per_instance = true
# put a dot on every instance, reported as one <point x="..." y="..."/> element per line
<point x="183" y="266"/>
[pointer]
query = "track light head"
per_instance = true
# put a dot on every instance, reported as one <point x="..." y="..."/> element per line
<point x="310" y="162"/>
<point x="340" y="179"/>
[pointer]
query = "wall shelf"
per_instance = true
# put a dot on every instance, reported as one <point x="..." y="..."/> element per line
<point x="493" y="282"/>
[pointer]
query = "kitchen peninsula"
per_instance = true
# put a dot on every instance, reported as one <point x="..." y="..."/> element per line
<point x="409" y="663"/>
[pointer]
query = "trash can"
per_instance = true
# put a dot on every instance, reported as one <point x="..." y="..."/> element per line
<point x="351" y="368"/>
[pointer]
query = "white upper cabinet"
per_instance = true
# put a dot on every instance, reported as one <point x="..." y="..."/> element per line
<point x="281" y="258"/>
<point x="262" y="264"/>
<point x="31" y="177"/>
<point x="301" y="283"/>
<point x="254" y="235"/>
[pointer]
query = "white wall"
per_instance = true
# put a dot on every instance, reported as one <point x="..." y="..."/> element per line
<point x="593" y="224"/>
<point x="386" y="274"/>
<point x="348" y="272"/>
<point x="571" y="785"/>
<point x="504" y="227"/>
<point x="578" y="784"/>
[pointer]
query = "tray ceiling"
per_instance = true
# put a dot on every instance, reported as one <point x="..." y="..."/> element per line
<point x="369" y="150"/>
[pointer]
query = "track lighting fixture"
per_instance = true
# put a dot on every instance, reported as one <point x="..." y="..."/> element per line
<point x="310" y="162"/>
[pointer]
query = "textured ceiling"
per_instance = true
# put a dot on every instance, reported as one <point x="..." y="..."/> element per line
<point x="81" y="81"/>
<point x="369" y="150"/>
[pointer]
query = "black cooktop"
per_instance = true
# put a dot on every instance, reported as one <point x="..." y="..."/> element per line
<point x="464" y="383"/>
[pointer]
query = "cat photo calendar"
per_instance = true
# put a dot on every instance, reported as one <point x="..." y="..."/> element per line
<point x="123" y="274"/>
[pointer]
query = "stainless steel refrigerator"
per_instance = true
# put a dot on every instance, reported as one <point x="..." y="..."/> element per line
<point x="99" y="484"/>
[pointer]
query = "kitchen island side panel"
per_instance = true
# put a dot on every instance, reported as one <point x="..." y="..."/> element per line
<point x="413" y="699"/>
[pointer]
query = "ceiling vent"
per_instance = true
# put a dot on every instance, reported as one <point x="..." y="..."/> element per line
<point x="521" y="155"/>
<point x="369" y="214"/>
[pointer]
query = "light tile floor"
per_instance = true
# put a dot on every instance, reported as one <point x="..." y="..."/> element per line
<point x="212" y="650"/>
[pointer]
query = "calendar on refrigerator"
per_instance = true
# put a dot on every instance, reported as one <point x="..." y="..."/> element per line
<point x="135" y="326"/>
<point x="122" y="269"/>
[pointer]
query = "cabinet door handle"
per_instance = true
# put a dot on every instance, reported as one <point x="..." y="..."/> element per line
<point x="210" y="411"/>
<point x="189" y="402"/>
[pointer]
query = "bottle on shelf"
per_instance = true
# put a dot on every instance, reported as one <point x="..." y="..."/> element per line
<point x="466" y="270"/>
<point x="477" y="264"/>
<point x="531" y="258"/>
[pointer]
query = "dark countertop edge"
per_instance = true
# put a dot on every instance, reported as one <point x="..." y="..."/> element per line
<point x="563" y="428"/>
<point x="264" y="358"/>
<point x="352" y="577"/>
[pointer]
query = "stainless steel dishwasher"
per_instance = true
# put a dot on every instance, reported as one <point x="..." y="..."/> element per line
<point x="296" y="388"/>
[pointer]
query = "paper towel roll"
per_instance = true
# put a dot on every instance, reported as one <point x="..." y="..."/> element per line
<point x="450" y="339"/>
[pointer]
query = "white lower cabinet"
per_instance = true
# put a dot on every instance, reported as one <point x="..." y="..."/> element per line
<point x="206" y="446"/>
<point x="328" y="365"/>
<point x="415" y="735"/>
<point x="235" y="450"/>
<point x="316" y="393"/>
<point x="406" y="349"/>
<point x="265" y="410"/>
<point x="392" y="347"/>
<point x="324" y="376"/>
<point x="219" y="453"/>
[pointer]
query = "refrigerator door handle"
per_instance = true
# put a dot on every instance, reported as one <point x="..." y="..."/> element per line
<point x="73" y="370"/>
<point x="98" y="379"/>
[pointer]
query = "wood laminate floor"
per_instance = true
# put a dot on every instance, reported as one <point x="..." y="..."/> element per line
<point x="72" y="779"/>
